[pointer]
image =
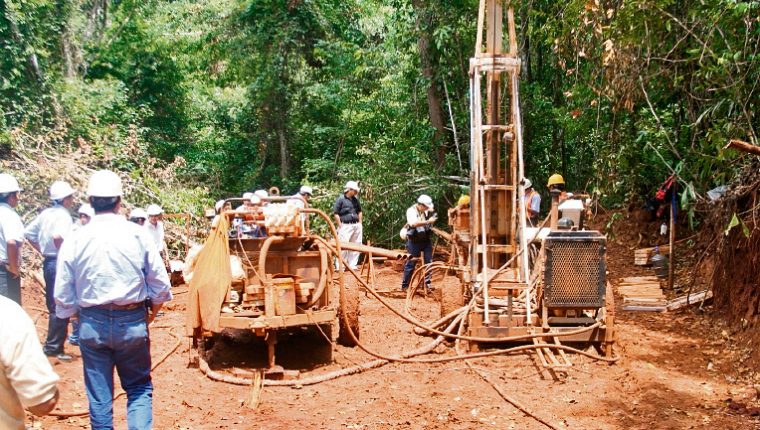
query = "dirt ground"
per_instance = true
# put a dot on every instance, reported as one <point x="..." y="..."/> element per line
<point x="678" y="370"/>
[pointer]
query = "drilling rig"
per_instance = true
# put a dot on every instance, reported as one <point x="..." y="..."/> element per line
<point x="522" y="281"/>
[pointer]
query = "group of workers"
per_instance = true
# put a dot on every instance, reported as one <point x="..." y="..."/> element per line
<point x="103" y="271"/>
<point x="109" y="275"/>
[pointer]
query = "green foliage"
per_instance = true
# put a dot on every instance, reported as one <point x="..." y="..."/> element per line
<point x="235" y="95"/>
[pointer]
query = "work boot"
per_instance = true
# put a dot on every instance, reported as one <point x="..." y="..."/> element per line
<point x="61" y="356"/>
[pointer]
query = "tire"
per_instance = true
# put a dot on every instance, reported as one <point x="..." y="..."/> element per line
<point x="351" y="318"/>
<point x="452" y="297"/>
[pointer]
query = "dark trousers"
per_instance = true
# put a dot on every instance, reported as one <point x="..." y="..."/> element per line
<point x="10" y="285"/>
<point x="57" y="327"/>
<point x="414" y="249"/>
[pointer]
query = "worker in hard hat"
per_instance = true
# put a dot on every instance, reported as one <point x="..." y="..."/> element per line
<point x="85" y="213"/>
<point x="347" y="212"/>
<point x="557" y="182"/>
<point x="138" y="216"/>
<point x="46" y="233"/>
<point x="11" y="239"/>
<point x="263" y="195"/>
<point x="155" y="227"/>
<point x="301" y="199"/>
<point x="106" y="273"/>
<point x="420" y="218"/>
<point x="532" y="203"/>
<point x="246" y="205"/>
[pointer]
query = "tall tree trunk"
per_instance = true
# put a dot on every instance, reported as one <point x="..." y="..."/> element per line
<point x="284" y="157"/>
<point x="434" y="100"/>
<point x="32" y="63"/>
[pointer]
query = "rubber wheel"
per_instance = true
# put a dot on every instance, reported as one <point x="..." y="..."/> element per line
<point x="452" y="298"/>
<point x="352" y="316"/>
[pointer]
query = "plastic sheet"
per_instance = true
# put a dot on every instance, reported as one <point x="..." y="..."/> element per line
<point x="211" y="279"/>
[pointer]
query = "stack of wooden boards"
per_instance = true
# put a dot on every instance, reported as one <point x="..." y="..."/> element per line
<point x="643" y="256"/>
<point x="642" y="293"/>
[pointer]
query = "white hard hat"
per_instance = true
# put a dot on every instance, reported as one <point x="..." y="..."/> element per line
<point x="305" y="189"/>
<point x="351" y="185"/>
<point x="219" y="205"/>
<point x="247" y="196"/>
<point x="256" y="200"/>
<point x="402" y="233"/>
<point x="528" y="183"/>
<point x="104" y="183"/>
<point x="138" y="213"/>
<point x="425" y="199"/>
<point x="8" y="184"/>
<point x="262" y="193"/>
<point x="155" y="209"/>
<point x="86" y="209"/>
<point x="60" y="190"/>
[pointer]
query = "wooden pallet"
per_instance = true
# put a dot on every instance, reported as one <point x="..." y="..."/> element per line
<point x="642" y="294"/>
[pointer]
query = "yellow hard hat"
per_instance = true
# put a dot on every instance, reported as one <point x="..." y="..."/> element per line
<point x="555" y="179"/>
<point x="464" y="200"/>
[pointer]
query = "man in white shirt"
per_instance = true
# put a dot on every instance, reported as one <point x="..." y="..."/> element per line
<point x="419" y="220"/>
<point x="155" y="227"/>
<point x="106" y="272"/>
<point x="26" y="378"/>
<point x="11" y="239"/>
<point x="301" y="200"/>
<point x="46" y="234"/>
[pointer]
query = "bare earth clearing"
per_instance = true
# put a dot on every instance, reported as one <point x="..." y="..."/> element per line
<point x="678" y="370"/>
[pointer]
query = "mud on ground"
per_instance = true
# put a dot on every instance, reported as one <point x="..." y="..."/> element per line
<point x="678" y="370"/>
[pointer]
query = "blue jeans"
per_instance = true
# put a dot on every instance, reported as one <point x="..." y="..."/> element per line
<point x="117" y="339"/>
<point x="57" y="327"/>
<point x="74" y="336"/>
<point x="10" y="285"/>
<point x="414" y="249"/>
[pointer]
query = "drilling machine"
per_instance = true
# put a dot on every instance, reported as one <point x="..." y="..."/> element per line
<point x="562" y="287"/>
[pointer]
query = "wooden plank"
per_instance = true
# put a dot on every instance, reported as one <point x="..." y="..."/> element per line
<point x="644" y="308"/>
<point x="681" y="302"/>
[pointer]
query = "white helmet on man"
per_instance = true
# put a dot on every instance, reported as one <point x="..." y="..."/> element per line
<point x="247" y="196"/>
<point x="104" y="183"/>
<point x="527" y="183"/>
<point x="8" y="184"/>
<point x="138" y="213"/>
<point x="351" y="185"/>
<point x="425" y="199"/>
<point x="219" y="205"/>
<point x="86" y="209"/>
<point x="60" y="190"/>
<point x="154" y="209"/>
<point x="262" y="193"/>
<point x="305" y="189"/>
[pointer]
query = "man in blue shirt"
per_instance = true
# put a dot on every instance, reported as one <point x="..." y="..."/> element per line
<point x="106" y="272"/>
<point x="46" y="233"/>
<point x="532" y="204"/>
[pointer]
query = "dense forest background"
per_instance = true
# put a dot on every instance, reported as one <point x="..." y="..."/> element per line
<point x="223" y="96"/>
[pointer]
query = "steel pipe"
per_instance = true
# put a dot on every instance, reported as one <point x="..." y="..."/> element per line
<point x="379" y="252"/>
